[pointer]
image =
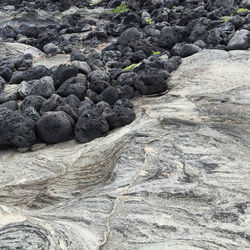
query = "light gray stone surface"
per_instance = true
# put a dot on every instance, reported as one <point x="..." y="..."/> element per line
<point x="175" y="178"/>
<point x="13" y="50"/>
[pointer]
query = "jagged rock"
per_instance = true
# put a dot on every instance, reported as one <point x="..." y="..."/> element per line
<point x="89" y="126"/>
<point x="75" y="85"/>
<point x="12" y="105"/>
<point x="16" y="129"/>
<point x="185" y="49"/>
<point x="43" y="87"/>
<point x="128" y="36"/>
<point x="54" y="127"/>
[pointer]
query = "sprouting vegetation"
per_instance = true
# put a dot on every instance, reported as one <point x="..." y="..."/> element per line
<point x="226" y="18"/>
<point x="156" y="53"/>
<point x="241" y="10"/>
<point x="149" y="20"/>
<point x="121" y="9"/>
<point x="130" y="67"/>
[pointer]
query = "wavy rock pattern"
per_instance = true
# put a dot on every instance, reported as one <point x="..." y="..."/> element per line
<point x="175" y="178"/>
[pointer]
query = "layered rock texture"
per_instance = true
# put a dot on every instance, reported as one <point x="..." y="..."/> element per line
<point x="175" y="178"/>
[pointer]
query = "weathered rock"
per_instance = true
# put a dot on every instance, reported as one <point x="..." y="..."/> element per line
<point x="34" y="101"/>
<point x="15" y="50"/>
<point x="51" y="49"/>
<point x="167" y="38"/>
<point x="52" y="103"/>
<point x="98" y="75"/>
<point x="127" y="78"/>
<point x="175" y="178"/>
<point x="54" y="127"/>
<point x="16" y="129"/>
<point x="2" y="84"/>
<point x="185" y="49"/>
<point x="241" y="40"/>
<point x="12" y="105"/>
<point x="63" y="73"/>
<point x="110" y="95"/>
<point x="82" y="67"/>
<point x="43" y="87"/>
<point x="90" y="125"/>
<point x="32" y="113"/>
<point x="151" y="84"/>
<point x="75" y="85"/>
<point x="128" y="36"/>
<point x="119" y="116"/>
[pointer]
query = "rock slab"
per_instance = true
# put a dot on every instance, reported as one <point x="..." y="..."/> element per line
<point x="175" y="178"/>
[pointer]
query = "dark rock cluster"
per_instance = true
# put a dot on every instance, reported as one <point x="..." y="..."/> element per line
<point x="91" y="96"/>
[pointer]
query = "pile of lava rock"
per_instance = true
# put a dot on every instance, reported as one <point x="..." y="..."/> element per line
<point x="89" y="97"/>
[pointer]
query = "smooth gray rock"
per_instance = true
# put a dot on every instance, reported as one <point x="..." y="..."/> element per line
<point x="175" y="178"/>
<point x="15" y="50"/>
<point x="241" y="40"/>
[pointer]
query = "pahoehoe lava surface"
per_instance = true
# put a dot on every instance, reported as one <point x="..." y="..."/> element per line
<point x="175" y="178"/>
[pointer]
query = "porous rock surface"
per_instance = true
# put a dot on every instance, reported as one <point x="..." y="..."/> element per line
<point x="175" y="178"/>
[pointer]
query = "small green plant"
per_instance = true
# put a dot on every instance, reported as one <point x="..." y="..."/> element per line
<point x="154" y="53"/>
<point x="130" y="67"/>
<point x="240" y="10"/>
<point x="86" y="8"/>
<point x="149" y="21"/>
<point x="121" y="9"/>
<point x="226" y="18"/>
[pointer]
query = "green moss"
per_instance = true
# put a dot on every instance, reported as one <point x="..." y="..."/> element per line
<point x="149" y="21"/>
<point x="130" y="67"/>
<point x="156" y="53"/>
<point x="240" y="10"/>
<point x="121" y="9"/>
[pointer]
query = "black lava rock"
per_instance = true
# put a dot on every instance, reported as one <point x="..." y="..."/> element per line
<point x="119" y="116"/>
<point x="43" y="87"/>
<point x="129" y="36"/>
<point x="12" y="105"/>
<point x="75" y="85"/>
<point x="2" y="84"/>
<point x="89" y="126"/>
<point x="32" y="114"/>
<point x="52" y="103"/>
<point x="151" y="84"/>
<point x="16" y="129"/>
<point x="185" y="49"/>
<point x="54" y="127"/>
<point x="110" y="95"/>
<point x="63" y="73"/>
<point x="73" y="101"/>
